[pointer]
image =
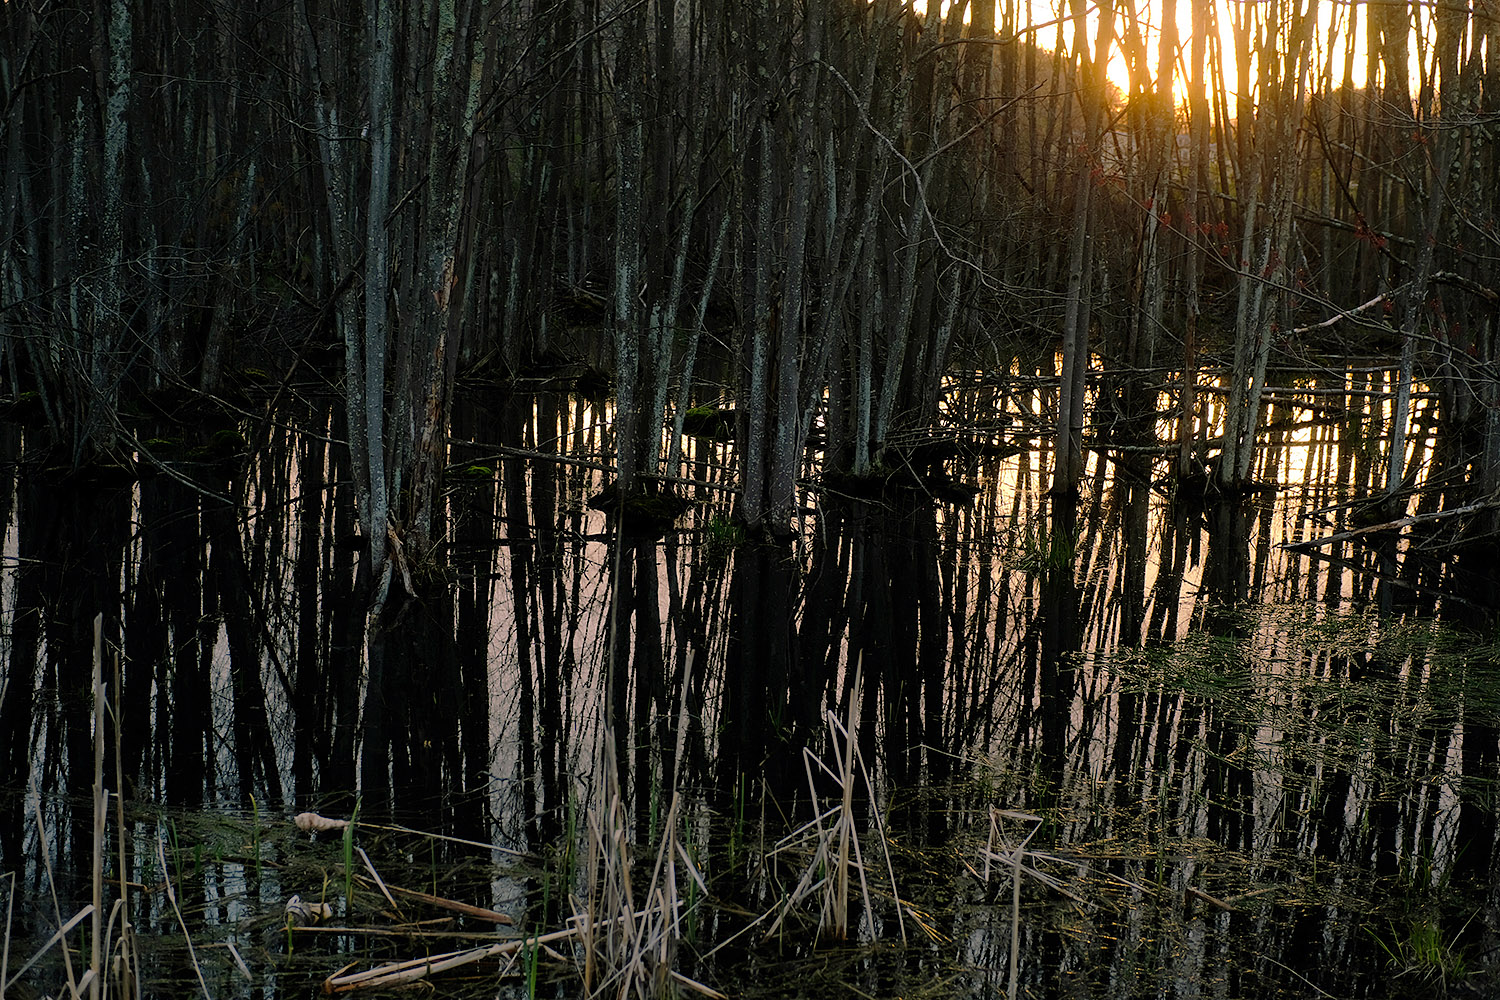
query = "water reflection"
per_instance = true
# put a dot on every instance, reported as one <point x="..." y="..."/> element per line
<point x="1146" y="662"/>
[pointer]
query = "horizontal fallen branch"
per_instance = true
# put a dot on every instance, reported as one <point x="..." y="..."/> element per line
<point x="468" y="910"/>
<point x="1400" y="522"/>
<point x="1191" y="894"/>
<point x="401" y="932"/>
<point x="413" y="970"/>
<point x="1394" y="581"/>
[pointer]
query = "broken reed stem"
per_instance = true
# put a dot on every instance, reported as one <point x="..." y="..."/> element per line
<point x="996" y="815"/>
<point x="447" y="839"/>
<point x="101" y="810"/>
<point x="311" y="822"/>
<point x="412" y="970"/>
<point x="404" y="932"/>
<point x="61" y="937"/>
<point x="467" y="909"/>
<point x="890" y="867"/>
<point x="837" y="848"/>
<point x="129" y="987"/>
<point x="1015" y="923"/>
<point x="591" y="912"/>
<point x="846" y="817"/>
<point x="10" y="901"/>
<point x="632" y="951"/>
<point x="166" y="875"/>
<point x="379" y="882"/>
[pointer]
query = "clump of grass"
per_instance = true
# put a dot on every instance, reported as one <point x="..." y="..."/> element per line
<point x="721" y="537"/>
<point x="1423" y="951"/>
<point x="1037" y="551"/>
<point x="348" y="855"/>
<point x="1013" y="858"/>
<point x="113" y="963"/>
<point x="832" y="836"/>
<point x="630" y="951"/>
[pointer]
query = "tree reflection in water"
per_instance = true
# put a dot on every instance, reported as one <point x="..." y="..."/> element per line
<point x="1142" y="664"/>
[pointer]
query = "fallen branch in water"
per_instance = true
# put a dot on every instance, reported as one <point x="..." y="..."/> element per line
<point x="311" y="822"/>
<point x="412" y="970"/>
<point x="409" y="931"/>
<point x="1389" y="578"/>
<point x="468" y="910"/>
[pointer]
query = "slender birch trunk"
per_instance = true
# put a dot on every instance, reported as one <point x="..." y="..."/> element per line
<point x="1071" y="412"/>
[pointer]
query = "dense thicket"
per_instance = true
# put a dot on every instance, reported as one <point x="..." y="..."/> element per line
<point x="807" y="215"/>
<point x="848" y="196"/>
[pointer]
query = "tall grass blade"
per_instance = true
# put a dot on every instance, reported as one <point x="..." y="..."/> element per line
<point x="161" y="853"/>
<point x="60" y="937"/>
<point x="96" y="858"/>
<point x="128" y="978"/>
<point x="10" y="900"/>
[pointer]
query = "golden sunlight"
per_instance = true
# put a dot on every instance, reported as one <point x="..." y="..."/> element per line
<point x="1258" y="33"/>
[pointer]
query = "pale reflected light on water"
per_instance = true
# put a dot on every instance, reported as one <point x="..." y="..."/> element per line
<point x="1248" y="758"/>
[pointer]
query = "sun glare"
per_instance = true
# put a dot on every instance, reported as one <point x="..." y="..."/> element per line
<point x="1137" y="33"/>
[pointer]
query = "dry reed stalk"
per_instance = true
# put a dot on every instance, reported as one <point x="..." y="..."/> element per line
<point x="311" y="822"/>
<point x="58" y="936"/>
<point x="442" y="902"/>
<point x="405" y="932"/>
<point x="126" y="963"/>
<point x="101" y="810"/>
<point x="161" y="854"/>
<point x="1010" y="858"/>
<point x="846" y="823"/>
<point x="10" y="900"/>
<point x="1013" y="859"/>
<point x="75" y="986"/>
<point x="611" y="893"/>
<point x="836" y="849"/>
<point x="379" y="882"/>
<point x="628" y="950"/>
<point x="623" y="947"/>
<point x="105" y="940"/>
<point x="239" y="961"/>
<point x="467" y="909"/>
<point x="663" y="913"/>
<point x="413" y="970"/>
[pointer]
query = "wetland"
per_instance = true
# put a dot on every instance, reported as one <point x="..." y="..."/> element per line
<point x="792" y="498"/>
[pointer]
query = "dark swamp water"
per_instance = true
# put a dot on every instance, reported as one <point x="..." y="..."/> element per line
<point x="1250" y="743"/>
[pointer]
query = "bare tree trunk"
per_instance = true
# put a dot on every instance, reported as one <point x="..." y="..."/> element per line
<point x="1197" y="227"/>
<point x="1414" y="307"/>
<point x="628" y="143"/>
<point x="380" y="22"/>
<point x="787" y="448"/>
<point x="1275" y="145"/>
<point x="1071" y="414"/>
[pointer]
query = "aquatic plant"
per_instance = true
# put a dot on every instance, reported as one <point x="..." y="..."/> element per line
<point x="1422" y="950"/>
<point x="832" y="837"/>
<point x="628" y="950"/>
<point x="112" y="947"/>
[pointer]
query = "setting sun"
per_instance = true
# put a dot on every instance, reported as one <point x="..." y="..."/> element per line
<point x="1338" y="53"/>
